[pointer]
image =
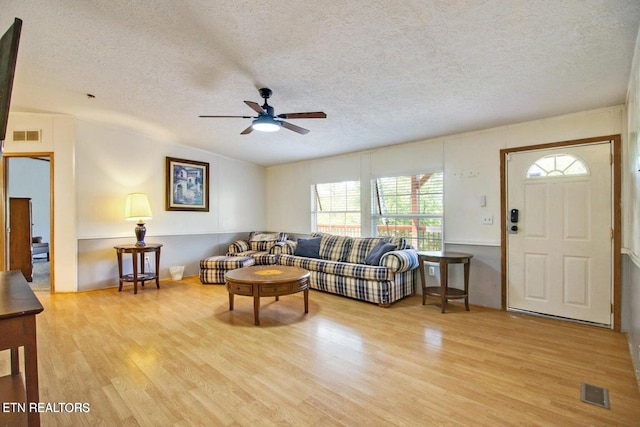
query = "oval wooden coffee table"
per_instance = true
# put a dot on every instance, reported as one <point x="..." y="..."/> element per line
<point x="267" y="281"/>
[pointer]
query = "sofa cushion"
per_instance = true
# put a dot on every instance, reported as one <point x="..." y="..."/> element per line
<point x="309" y="248"/>
<point x="261" y="245"/>
<point x="360" y="271"/>
<point x="381" y="248"/>
<point x="260" y="257"/>
<point x="222" y="262"/>
<point x="361" y="247"/>
<point x="333" y="248"/>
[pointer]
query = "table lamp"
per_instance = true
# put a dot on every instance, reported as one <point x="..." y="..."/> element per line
<point x="137" y="208"/>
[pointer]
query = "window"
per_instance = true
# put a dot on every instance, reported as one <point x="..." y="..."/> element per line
<point x="557" y="165"/>
<point x="409" y="207"/>
<point x="335" y="208"/>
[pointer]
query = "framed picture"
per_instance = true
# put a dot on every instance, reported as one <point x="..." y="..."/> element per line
<point x="187" y="185"/>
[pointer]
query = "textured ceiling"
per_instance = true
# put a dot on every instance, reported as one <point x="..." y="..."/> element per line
<point x="385" y="72"/>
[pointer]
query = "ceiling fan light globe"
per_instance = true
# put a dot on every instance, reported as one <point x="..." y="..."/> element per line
<point x="266" y="125"/>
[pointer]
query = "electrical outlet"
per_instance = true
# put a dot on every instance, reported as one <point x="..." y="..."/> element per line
<point x="487" y="220"/>
<point x="432" y="271"/>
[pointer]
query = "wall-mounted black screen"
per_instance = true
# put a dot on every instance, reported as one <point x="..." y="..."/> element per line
<point x="8" y="57"/>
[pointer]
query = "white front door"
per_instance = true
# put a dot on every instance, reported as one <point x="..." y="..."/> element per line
<point x="559" y="260"/>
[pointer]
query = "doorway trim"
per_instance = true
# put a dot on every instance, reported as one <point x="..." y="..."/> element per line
<point x="4" y="243"/>
<point x="617" y="214"/>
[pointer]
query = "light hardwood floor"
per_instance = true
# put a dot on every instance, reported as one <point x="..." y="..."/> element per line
<point x="177" y="357"/>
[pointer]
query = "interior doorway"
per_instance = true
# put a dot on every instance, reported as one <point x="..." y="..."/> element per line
<point x="28" y="177"/>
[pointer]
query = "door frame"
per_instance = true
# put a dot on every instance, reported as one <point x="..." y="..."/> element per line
<point x="617" y="213"/>
<point x="4" y="195"/>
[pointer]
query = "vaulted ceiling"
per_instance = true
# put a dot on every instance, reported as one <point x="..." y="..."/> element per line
<point x="384" y="72"/>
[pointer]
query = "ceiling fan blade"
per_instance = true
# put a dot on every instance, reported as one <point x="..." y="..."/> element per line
<point x="229" y="117"/>
<point x="247" y="130"/>
<point x="294" y="128"/>
<point x="255" y="107"/>
<point x="313" y="115"/>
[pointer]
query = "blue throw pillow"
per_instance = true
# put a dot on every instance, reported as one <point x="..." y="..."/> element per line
<point x="381" y="248"/>
<point x="309" y="248"/>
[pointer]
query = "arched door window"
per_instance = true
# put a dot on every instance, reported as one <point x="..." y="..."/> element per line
<point x="556" y="165"/>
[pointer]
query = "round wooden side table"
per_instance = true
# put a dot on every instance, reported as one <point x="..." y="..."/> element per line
<point x="444" y="292"/>
<point x="137" y="253"/>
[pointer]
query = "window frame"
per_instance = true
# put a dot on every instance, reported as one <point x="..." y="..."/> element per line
<point x="555" y="172"/>
<point x="315" y="204"/>
<point x="418" y="239"/>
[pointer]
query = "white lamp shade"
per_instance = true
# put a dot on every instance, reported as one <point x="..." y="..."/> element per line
<point x="137" y="207"/>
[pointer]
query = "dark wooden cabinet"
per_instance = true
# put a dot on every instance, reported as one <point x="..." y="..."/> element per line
<point x="20" y="256"/>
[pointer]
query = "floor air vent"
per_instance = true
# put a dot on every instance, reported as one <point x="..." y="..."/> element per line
<point x="595" y="395"/>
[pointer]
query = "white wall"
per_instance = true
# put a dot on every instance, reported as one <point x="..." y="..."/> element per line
<point x="114" y="161"/>
<point x="471" y="165"/>
<point x="631" y="213"/>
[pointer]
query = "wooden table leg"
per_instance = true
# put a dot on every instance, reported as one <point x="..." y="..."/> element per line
<point x="142" y="265"/>
<point x="424" y="281"/>
<point x="135" y="273"/>
<point x="256" y="310"/>
<point x="31" y="368"/>
<point x="157" y="255"/>
<point x="120" y="270"/>
<point x="230" y="301"/>
<point x="467" y="268"/>
<point x="15" y="362"/>
<point x="444" y="274"/>
<point x="306" y="300"/>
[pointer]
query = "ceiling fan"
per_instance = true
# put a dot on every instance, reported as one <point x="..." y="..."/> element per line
<point x="268" y="121"/>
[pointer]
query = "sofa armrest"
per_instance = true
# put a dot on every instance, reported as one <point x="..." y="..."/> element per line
<point x="400" y="261"/>
<point x="287" y="247"/>
<point x="239" y="246"/>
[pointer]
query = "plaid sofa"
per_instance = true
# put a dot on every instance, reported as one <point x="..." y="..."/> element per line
<point x="341" y="268"/>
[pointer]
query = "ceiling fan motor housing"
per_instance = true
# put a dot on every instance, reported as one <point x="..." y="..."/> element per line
<point x="268" y="109"/>
<point x="265" y="92"/>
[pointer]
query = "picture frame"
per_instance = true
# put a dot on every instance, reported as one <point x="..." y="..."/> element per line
<point x="187" y="185"/>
